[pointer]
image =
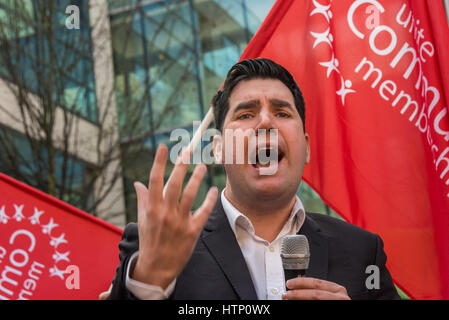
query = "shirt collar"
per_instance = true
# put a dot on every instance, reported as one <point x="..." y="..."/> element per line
<point x="236" y="218"/>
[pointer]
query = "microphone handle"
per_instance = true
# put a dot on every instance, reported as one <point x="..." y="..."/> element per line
<point x="293" y="273"/>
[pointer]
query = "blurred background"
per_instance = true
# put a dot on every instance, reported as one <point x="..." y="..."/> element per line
<point x="84" y="103"/>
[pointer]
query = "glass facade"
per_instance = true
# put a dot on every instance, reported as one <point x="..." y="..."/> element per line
<point x="27" y="161"/>
<point x="38" y="52"/>
<point x="170" y="57"/>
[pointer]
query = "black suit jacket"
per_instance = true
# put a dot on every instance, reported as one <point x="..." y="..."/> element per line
<point x="339" y="252"/>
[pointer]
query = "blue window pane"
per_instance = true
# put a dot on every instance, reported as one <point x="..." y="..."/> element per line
<point x="117" y="4"/>
<point x="66" y="61"/>
<point x="33" y="166"/>
<point x="222" y="59"/>
<point x="234" y="8"/>
<point x="91" y="103"/>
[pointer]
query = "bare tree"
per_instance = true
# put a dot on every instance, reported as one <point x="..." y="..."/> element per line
<point x="47" y="99"/>
<point x="47" y="71"/>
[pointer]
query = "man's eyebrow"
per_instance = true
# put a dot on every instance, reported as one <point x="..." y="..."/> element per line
<point x="245" y="105"/>
<point x="280" y="103"/>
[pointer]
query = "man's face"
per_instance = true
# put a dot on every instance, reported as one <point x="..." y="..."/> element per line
<point x="264" y="104"/>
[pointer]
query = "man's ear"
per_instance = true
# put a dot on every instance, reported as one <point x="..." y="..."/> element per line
<point x="306" y="136"/>
<point x="218" y="148"/>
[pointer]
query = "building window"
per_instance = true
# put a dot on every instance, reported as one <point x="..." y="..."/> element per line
<point x="39" y="53"/>
<point x="28" y="161"/>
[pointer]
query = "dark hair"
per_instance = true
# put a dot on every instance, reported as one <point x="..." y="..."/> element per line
<point x="251" y="69"/>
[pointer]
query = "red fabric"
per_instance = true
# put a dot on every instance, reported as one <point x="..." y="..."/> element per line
<point x="380" y="166"/>
<point x="40" y="237"/>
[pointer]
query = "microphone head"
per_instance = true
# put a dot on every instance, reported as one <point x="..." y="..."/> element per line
<point x="295" y="252"/>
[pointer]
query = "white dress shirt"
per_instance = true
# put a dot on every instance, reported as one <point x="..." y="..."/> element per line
<point x="262" y="257"/>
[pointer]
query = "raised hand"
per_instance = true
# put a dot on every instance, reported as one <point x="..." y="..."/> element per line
<point x="168" y="232"/>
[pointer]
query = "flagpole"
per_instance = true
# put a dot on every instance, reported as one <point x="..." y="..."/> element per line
<point x="208" y="118"/>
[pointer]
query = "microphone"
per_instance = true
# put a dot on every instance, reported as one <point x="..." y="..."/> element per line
<point x="295" y="256"/>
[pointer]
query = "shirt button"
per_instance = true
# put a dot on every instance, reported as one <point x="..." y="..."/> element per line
<point x="271" y="248"/>
<point x="274" y="291"/>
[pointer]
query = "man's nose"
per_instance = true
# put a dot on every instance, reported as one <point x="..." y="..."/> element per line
<point x="266" y="120"/>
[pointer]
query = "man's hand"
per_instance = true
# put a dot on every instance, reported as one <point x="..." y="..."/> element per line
<point x="105" y="294"/>
<point x="303" y="288"/>
<point x="168" y="232"/>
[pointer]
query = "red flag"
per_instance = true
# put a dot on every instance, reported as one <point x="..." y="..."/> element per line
<point x="51" y="250"/>
<point x="375" y="78"/>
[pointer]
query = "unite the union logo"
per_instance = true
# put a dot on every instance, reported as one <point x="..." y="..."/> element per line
<point x="31" y="249"/>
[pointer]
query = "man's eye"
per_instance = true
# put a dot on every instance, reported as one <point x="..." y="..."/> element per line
<point x="283" y="115"/>
<point x="244" y="116"/>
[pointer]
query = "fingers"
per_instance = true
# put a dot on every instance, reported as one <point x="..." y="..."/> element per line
<point x="156" y="180"/>
<point x="313" y="283"/>
<point x="202" y="214"/>
<point x="142" y="200"/>
<point x="191" y="190"/>
<point x="176" y="179"/>
<point x="303" y="288"/>
<point x="311" y="294"/>
<point x="104" y="295"/>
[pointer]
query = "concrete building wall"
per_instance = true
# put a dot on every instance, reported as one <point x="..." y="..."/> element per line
<point x="113" y="207"/>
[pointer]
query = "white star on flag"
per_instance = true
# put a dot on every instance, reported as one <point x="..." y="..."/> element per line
<point x="345" y="85"/>
<point x="48" y="227"/>
<point x="55" y="272"/>
<point x="331" y="65"/>
<point x="18" y="215"/>
<point x="322" y="37"/>
<point x="58" y="256"/>
<point x="35" y="218"/>
<point x="322" y="9"/>
<point x="3" y="217"/>
<point x="55" y="242"/>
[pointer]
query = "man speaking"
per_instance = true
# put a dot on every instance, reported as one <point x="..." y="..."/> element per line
<point x="230" y="247"/>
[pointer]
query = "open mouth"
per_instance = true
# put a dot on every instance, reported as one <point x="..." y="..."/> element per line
<point x="267" y="156"/>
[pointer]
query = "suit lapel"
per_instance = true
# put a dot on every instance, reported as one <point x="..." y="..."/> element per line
<point x="223" y="246"/>
<point x="318" y="244"/>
